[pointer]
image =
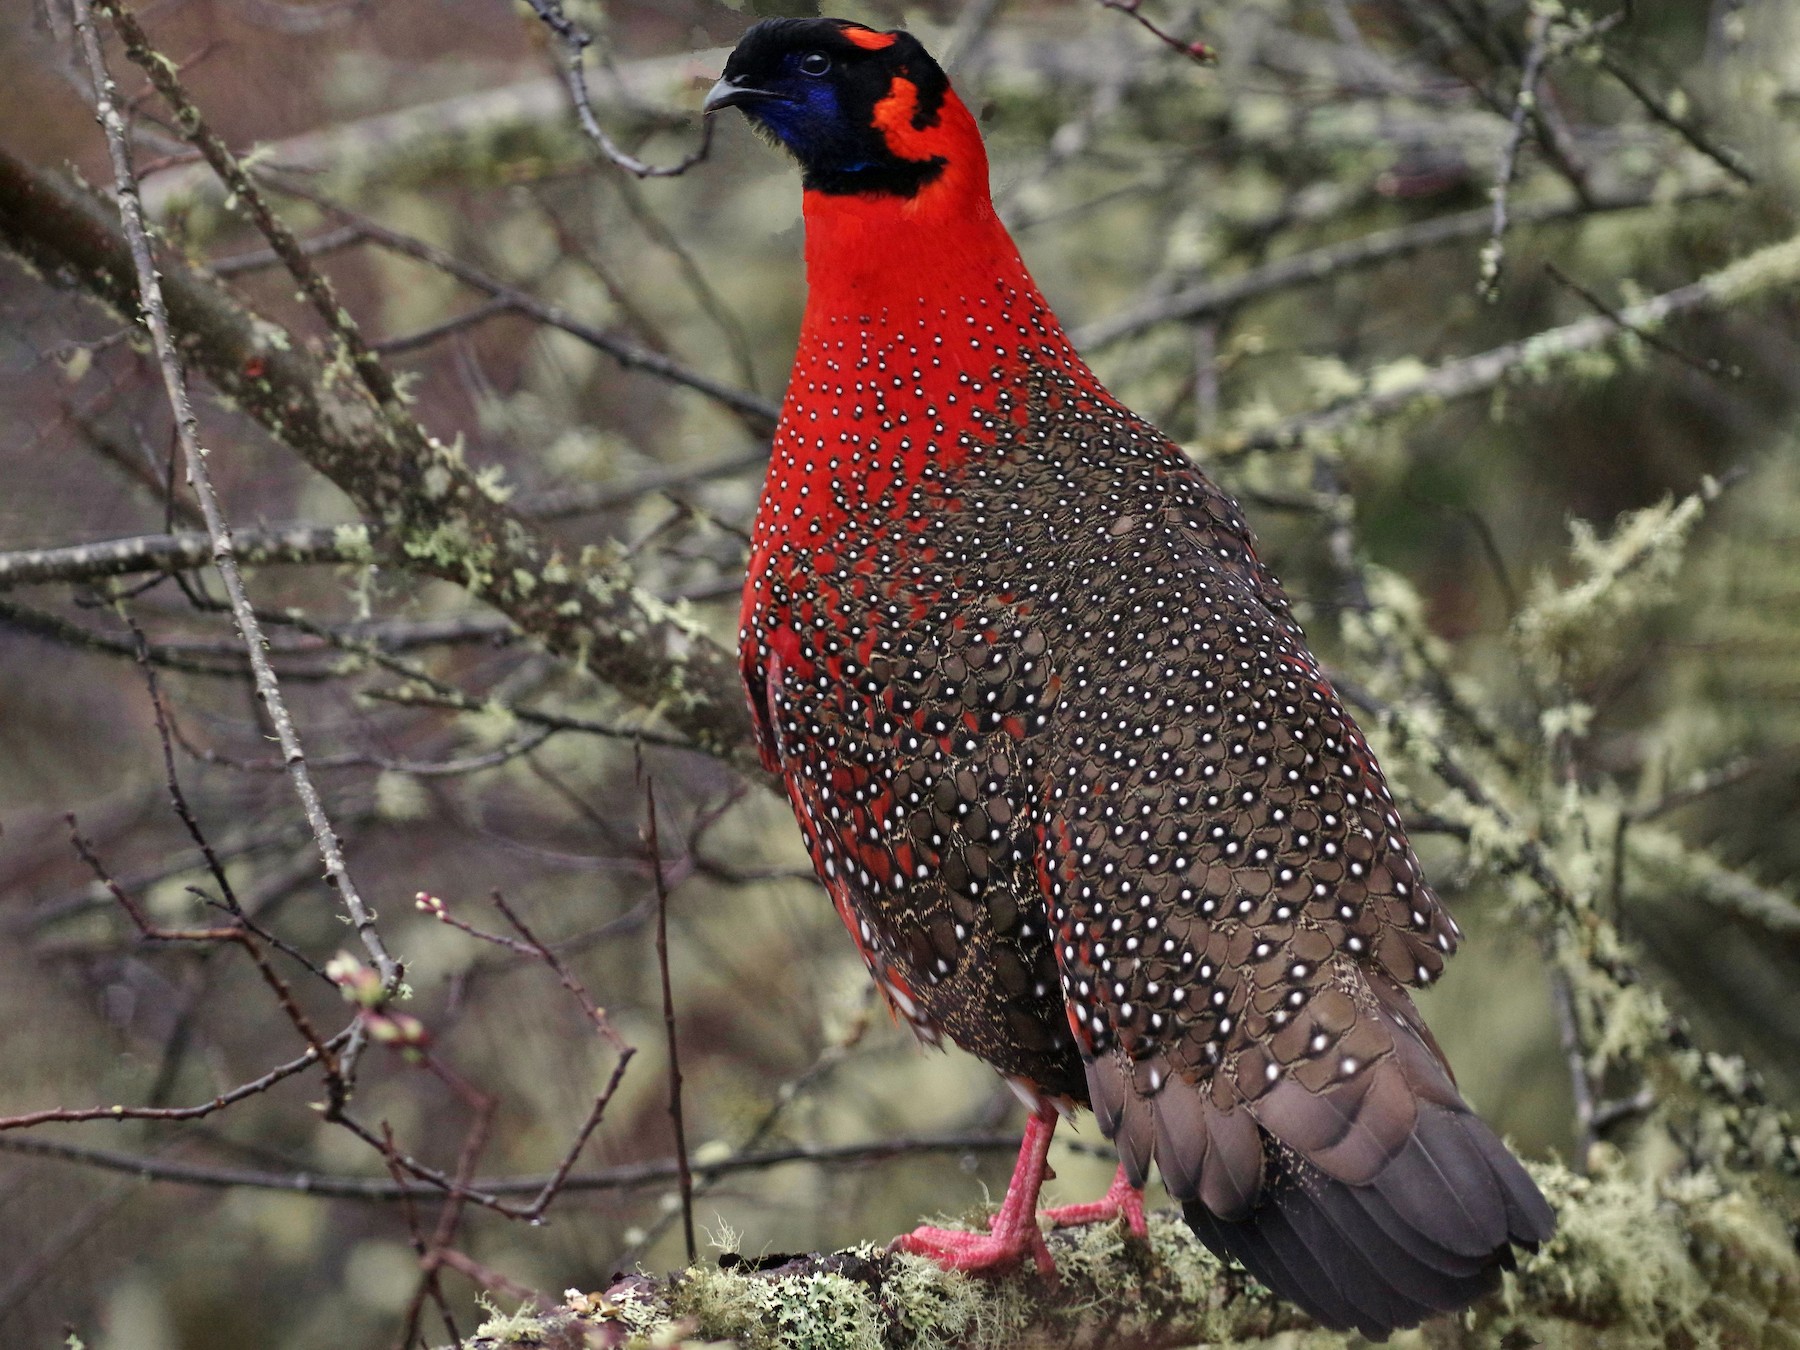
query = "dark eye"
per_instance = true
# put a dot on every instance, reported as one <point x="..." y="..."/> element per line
<point x="815" y="63"/>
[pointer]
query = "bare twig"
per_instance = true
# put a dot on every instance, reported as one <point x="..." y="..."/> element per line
<point x="1718" y="780"/>
<point x="256" y="260"/>
<point x="1722" y="155"/>
<point x="1709" y="365"/>
<point x="461" y="702"/>
<point x="57" y="629"/>
<point x="437" y="332"/>
<point x="1194" y="51"/>
<point x="757" y="413"/>
<point x="575" y="41"/>
<point x="252" y="1088"/>
<point x="624" y="1050"/>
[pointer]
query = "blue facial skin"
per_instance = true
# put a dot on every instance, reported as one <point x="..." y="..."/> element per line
<point x="807" y="118"/>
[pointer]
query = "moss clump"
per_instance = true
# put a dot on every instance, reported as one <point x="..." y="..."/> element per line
<point x="823" y="1311"/>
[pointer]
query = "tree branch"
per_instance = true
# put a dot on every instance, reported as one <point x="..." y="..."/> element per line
<point x="420" y="499"/>
<point x="1644" y="1269"/>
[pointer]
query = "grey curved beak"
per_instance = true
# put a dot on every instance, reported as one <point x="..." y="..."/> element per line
<point x="725" y="94"/>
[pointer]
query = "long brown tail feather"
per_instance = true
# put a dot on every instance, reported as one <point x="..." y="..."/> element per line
<point x="1430" y="1233"/>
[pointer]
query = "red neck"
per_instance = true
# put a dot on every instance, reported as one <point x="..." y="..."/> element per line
<point x="863" y="253"/>
<point x="921" y="326"/>
<point x="919" y="298"/>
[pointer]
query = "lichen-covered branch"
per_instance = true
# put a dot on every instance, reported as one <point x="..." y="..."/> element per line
<point x="1633" y="1265"/>
<point x="177" y="552"/>
<point x="1390" y="393"/>
<point x="1329" y="262"/>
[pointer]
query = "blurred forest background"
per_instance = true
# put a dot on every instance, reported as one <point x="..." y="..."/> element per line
<point x="1528" y="464"/>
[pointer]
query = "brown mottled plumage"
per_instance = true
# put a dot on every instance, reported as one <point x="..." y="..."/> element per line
<point x="1060" y="752"/>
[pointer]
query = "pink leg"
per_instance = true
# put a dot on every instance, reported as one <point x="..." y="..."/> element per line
<point x="1014" y="1232"/>
<point x="1122" y="1200"/>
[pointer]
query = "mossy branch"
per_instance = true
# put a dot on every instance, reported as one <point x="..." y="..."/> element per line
<point x="1633" y="1265"/>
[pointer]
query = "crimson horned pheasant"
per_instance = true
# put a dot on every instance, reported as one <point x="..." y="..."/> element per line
<point x="1060" y="753"/>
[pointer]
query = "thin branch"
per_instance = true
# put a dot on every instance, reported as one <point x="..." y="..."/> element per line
<point x="757" y="413"/>
<point x="254" y="1087"/>
<point x="684" y="1173"/>
<point x="1710" y="366"/>
<point x="1194" y="51"/>
<point x="437" y="332"/>
<point x="183" y="552"/>
<point x="1494" y="254"/>
<point x="579" y="499"/>
<point x="458" y="701"/>
<point x="384" y="1190"/>
<point x="429" y="1284"/>
<point x="56" y="629"/>
<point x="257" y="260"/>
<point x="314" y="285"/>
<point x="200" y="480"/>
<point x="1722" y="155"/>
<point x="1717" y="780"/>
<point x="558" y="1179"/>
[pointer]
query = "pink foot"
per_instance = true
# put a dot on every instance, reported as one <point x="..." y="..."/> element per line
<point x="1122" y="1200"/>
<point x="1014" y="1232"/>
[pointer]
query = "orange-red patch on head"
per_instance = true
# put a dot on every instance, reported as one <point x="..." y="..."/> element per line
<point x="868" y="39"/>
<point x="894" y="120"/>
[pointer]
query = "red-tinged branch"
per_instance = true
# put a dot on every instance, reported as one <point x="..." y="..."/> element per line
<point x="254" y="1087"/>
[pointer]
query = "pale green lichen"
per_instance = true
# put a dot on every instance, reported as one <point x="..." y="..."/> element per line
<point x="1564" y="630"/>
<point x="399" y="797"/>
<point x="523" y="1327"/>
<point x="353" y="543"/>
